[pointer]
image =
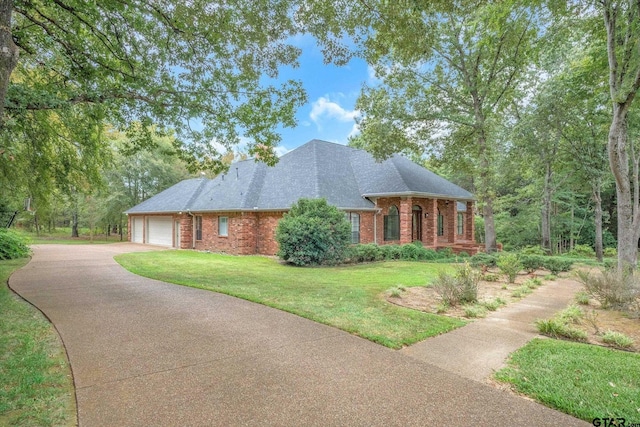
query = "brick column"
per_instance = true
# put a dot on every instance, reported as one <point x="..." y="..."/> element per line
<point x="405" y="220"/>
<point x="454" y="235"/>
<point x="430" y="224"/>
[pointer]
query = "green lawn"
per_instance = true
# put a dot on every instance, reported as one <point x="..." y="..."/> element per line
<point x="62" y="236"/>
<point x="583" y="380"/>
<point x="36" y="388"/>
<point x="347" y="297"/>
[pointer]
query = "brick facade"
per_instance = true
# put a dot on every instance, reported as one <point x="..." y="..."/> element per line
<point x="254" y="232"/>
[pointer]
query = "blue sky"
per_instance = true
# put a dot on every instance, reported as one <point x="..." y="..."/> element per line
<point x="332" y="92"/>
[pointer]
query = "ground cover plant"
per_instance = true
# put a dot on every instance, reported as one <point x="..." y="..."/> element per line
<point x="582" y="380"/>
<point x="12" y="245"/>
<point x="347" y="297"/>
<point x="36" y="388"/>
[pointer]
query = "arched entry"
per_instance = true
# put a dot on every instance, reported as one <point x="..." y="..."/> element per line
<point x="416" y="223"/>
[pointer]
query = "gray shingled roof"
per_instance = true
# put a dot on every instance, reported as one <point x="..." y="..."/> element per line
<point x="344" y="176"/>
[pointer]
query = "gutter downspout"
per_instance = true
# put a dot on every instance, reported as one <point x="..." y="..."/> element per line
<point x="193" y="229"/>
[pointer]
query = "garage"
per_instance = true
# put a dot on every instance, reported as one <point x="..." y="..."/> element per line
<point x="137" y="230"/>
<point x="160" y="230"/>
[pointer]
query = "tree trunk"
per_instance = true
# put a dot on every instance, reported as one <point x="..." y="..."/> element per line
<point x="74" y="224"/>
<point x="8" y="53"/>
<point x="490" y="242"/>
<point x="546" y="210"/>
<point x="597" y="200"/>
<point x="619" y="161"/>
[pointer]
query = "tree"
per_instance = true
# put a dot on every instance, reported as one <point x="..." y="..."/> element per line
<point x="622" y="22"/>
<point x="449" y="72"/>
<point x="313" y="233"/>
<point x="204" y="69"/>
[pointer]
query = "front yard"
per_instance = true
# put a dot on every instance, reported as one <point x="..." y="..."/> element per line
<point x="351" y="298"/>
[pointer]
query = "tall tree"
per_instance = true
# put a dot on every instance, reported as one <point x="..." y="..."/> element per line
<point x="448" y="70"/>
<point x="204" y="69"/>
<point x="622" y="22"/>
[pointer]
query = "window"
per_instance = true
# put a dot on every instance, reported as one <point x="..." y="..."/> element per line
<point x="223" y="226"/>
<point x="460" y="223"/>
<point x="392" y="224"/>
<point x="440" y="224"/>
<point x="354" y="219"/>
<point x="198" y="228"/>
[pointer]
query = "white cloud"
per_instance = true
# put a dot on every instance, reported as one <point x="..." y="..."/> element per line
<point x="354" y="130"/>
<point x="323" y="107"/>
<point x="281" y="150"/>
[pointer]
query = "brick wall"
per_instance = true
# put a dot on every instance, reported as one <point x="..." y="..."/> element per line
<point x="254" y="232"/>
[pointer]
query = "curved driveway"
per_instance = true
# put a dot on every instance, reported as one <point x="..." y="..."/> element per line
<point x="148" y="353"/>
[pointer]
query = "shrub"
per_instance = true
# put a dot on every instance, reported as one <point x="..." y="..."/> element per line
<point x="463" y="254"/>
<point x="610" y="252"/>
<point x="510" y="266"/>
<point x="313" y="233"/>
<point x="531" y="263"/>
<point x="521" y="291"/>
<point x="612" y="288"/>
<point x="365" y="253"/>
<point x="12" y="245"/>
<point x="617" y="339"/>
<point x="396" y="291"/>
<point x="445" y="253"/>
<point x="457" y="288"/>
<point x="410" y="252"/>
<point x="571" y="314"/>
<point x="391" y="252"/>
<point x="491" y="277"/>
<point x="532" y="250"/>
<point x="483" y="260"/>
<point x="582" y="251"/>
<point x="556" y="264"/>
<point x="532" y="283"/>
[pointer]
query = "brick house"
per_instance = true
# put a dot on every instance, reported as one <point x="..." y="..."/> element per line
<point x="393" y="201"/>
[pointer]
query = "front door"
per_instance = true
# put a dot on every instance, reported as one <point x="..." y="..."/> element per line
<point x="416" y="224"/>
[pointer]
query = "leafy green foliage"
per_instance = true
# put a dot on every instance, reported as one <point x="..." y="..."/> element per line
<point x="483" y="260"/>
<point x="170" y="65"/>
<point x="408" y="252"/>
<point x="313" y="233"/>
<point x="12" y="245"/>
<point x="531" y="263"/>
<point x="510" y="266"/>
<point x="582" y="251"/>
<point x="557" y="264"/>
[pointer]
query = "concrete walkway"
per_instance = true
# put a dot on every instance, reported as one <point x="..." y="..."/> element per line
<point x="144" y="352"/>
<point x="478" y="349"/>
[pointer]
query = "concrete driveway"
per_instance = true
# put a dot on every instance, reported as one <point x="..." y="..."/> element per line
<point x="148" y="353"/>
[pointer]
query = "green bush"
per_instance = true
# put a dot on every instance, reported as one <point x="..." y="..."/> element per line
<point x="475" y="311"/>
<point x="12" y="245"/>
<point x="533" y="250"/>
<point x="582" y="251"/>
<point x="365" y="253"/>
<point x="483" y="260"/>
<point x="610" y="252"/>
<point x="510" y="266"/>
<point x="532" y="263"/>
<point x="556" y="328"/>
<point x="556" y="264"/>
<point x="313" y="233"/>
<point x="410" y="252"/>
<point x="445" y="253"/>
<point x="391" y="252"/>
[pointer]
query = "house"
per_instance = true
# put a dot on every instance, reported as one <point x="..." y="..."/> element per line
<point x="393" y="201"/>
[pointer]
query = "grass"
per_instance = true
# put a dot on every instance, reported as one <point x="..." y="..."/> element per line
<point x="617" y="339"/>
<point x="62" y="236"/>
<point x="349" y="297"/>
<point x="36" y="388"/>
<point x="579" y="379"/>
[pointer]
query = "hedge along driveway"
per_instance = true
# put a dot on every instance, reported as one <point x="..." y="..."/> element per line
<point x="346" y="297"/>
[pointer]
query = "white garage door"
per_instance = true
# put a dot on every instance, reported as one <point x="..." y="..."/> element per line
<point x="160" y="230"/>
<point x="136" y="233"/>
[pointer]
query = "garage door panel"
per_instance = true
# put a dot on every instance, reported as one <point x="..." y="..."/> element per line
<point x="160" y="231"/>
<point x="138" y="229"/>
